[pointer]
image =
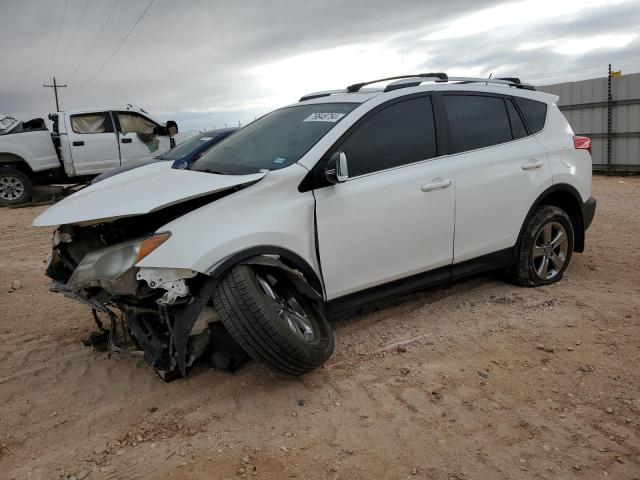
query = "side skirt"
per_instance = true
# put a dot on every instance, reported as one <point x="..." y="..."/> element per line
<point x="351" y="303"/>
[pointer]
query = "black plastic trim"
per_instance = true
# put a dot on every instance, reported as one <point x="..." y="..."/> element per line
<point x="311" y="97"/>
<point x="391" y="87"/>
<point x="588" y="212"/>
<point x="357" y="86"/>
<point x="353" y="301"/>
<point x="289" y="258"/>
<point x="444" y="142"/>
<point x="485" y="263"/>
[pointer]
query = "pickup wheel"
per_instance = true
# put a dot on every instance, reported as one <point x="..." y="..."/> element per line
<point x="271" y="321"/>
<point x="545" y="247"/>
<point x="15" y="186"/>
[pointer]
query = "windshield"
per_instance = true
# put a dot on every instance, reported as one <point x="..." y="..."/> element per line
<point x="274" y="141"/>
<point x="188" y="146"/>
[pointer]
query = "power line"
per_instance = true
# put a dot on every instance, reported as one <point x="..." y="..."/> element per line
<point x="117" y="48"/>
<point x="95" y="40"/>
<point x="55" y="50"/>
<point x="75" y="33"/>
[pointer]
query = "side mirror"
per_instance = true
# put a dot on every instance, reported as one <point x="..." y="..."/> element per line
<point x="172" y="128"/>
<point x="336" y="170"/>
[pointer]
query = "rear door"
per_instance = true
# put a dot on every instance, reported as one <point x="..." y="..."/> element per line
<point x="93" y="143"/>
<point x="500" y="171"/>
<point x="394" y="215"/>
<point x="138" y="137"/>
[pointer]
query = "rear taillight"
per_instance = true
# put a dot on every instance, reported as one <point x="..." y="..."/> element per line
<point x="582" y="143"/>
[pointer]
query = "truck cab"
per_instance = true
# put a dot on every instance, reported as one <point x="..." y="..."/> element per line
<point x="83" y="144"/>
<point x="93" y="141"/>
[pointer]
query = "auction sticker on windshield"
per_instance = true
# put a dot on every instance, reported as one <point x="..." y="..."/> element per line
<point x="324" y="117"/>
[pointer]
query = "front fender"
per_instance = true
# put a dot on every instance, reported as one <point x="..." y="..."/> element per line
<point x="271" y="213"/>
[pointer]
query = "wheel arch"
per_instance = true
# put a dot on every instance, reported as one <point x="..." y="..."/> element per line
<point x="8" y="159"/>
<point x="567" y="198"/>
<point x="288" y="258"/>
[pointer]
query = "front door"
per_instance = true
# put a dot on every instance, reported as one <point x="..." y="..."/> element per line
<point x="394" y="216"/>
<point x="138" y="137"/>
<point x="93" y="143"/>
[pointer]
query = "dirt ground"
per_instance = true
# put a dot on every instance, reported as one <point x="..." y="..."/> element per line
<point x="477" y="380"/>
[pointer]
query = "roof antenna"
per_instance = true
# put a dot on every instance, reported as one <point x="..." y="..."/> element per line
<point x="489" y="78"/>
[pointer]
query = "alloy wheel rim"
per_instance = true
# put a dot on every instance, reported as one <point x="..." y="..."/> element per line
<point x="289" y="310"/>
<point x="11" y="187"/>
<point x="550" y="250"/>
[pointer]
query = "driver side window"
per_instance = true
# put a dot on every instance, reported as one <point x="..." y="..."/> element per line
<point x="399" y="134"/>
<point x="135" y="123"/>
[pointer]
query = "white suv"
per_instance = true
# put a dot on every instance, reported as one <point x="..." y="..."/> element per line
<point x="343" y="198"/>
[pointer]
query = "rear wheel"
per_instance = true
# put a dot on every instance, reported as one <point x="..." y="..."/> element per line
<point x="15" y="186"/>
<point x="544" y="250"/>
<point x="271" y="321"/>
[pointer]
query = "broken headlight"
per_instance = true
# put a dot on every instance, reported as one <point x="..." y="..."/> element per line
<point x="104" y="267"/>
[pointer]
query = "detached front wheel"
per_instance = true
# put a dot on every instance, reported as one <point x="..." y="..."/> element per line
<point x="15" y="186"/>
<point x="272" y="321"/>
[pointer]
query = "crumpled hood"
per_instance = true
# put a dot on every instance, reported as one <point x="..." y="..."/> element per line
<point x="136" y="192"/>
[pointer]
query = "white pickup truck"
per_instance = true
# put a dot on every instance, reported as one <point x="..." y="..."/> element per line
<point x="82" y="145"/>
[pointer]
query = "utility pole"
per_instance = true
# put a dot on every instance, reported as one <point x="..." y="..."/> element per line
<point x="55" y="87"/>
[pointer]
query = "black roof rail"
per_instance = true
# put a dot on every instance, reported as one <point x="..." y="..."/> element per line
<point x="324" y="93"/>
<point x="515" y="80"/>
<point x="510" y="82"/>
<point x="417" y="79"/>
<point x="357" y="86"/>
<point x="517" y="83"/>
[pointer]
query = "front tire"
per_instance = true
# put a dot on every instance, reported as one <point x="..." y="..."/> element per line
<point x="271" y="321"/>
<point x="545" y="247"/>
<point x="15" y="186"/>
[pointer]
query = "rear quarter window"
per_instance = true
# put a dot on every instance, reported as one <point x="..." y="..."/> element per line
<point x="534" y="112"/>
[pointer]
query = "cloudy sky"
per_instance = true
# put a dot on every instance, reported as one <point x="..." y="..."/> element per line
<point x="209" y="62"/>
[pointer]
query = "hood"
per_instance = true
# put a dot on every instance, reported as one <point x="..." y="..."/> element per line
<point x="137" y="192"/>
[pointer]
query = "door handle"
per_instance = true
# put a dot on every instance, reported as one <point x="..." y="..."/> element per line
<point x="126" y="140"/>
<point x="78" y="143"/>
<point x="532" y="164"/>
<point x="437" y="184"/>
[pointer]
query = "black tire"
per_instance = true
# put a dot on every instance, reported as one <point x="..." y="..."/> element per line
<point x="15" y="186"/>
<point x="531" y="249"/>
<point x="252" y="319"/>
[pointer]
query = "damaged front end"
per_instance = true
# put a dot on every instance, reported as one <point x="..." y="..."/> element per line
<point x="152" y="311"/>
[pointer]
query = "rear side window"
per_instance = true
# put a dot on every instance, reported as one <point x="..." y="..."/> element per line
<point x="91" y="123"/>
<point x="477" y="121"/>
<point x="400" y="134"/>
<point x="517" y="127"/>
<point x="535" y="113"/>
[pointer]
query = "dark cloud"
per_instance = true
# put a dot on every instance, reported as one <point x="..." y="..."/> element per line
<point x="213" y="62"/>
